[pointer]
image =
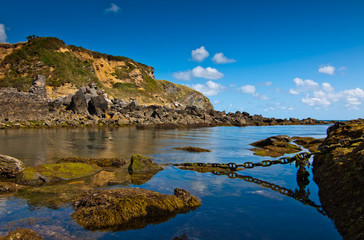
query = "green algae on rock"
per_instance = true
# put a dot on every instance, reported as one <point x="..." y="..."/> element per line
<point x="339" y="176"/>
<point x="6" y="187"/>
<point x="101" y="162"/>
<point x="192" y="149"/>
<point x="21" y="234"/>
<point x="275" y="146"/>
<point x="129" y="208"/>
<point x="140" y="163"/>
<point x="308" y="142"/>
<point x="48" y="173"/>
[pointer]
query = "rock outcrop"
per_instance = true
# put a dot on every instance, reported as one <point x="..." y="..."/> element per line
<point x="339" y="174"/>
<point x="275" y="146"/>
<point x="22" y="234"/>
<point x="129" y="208"/>
<point x="9" y="166"/>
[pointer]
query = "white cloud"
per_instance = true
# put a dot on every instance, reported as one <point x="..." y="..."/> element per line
<point x="3" y="35"/>
<point x="199" y="54"/>
<point x="261" y="96"/>
<point x="210" y="88"/>
<point x="327" y="87"/>
<point x="249" y="89"/>
<point x="220" y="58"/>
<point x="113" y="8"/>
<point x="327" y="69"/>
<point x="268" y="84"/>
<point x="208" y="73"/>
<point x="293" y="92"/>
<point x="183" y="75"/>
<point x="304" y="86"/>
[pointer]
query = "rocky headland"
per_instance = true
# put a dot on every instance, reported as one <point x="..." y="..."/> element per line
<point x="46" y="83"/>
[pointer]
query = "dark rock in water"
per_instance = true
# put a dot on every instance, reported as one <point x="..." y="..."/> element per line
<point x="97" y="106"/>
<point x="9" y="166"/>
<point x="21" y="234"/>
<point x="140" y="163"/>
<point x="79" y="103"/>
<point x="101" y="162"/>
<point x="193" y="149"/>
<point x="49" y="173"/>
<point x="275" y="146"/>
<point x="6" y="187"/>
<point x="129" y="208"/>
<point x="38" y="86"/>
<point x="339" y="174"/>
<point x="308" y="142"/>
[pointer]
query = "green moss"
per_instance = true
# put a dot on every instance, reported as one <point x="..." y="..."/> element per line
<point x="101" y="162"/>
<point x="139" y="163"/>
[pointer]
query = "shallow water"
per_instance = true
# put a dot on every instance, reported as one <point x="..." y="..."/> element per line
<point x="231" y="208"/>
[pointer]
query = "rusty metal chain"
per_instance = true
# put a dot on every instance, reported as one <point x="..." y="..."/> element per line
<point x="274" y="187"/>
<point x="266" y="163"/>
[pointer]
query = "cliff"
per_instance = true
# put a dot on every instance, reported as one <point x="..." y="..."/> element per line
<point x="67" y="68"/>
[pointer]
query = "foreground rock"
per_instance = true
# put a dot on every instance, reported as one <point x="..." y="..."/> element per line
<point x="101" y="162"/>
<point x="9" y="166"/>
<point x="339" y="175"/>
<point x="275" y="146"/>
<point x="21" y="234"/>
<point x="129" y="208"/>
<point x="140" y="163"/>
<point x="49" y="173"/>
<point x="6" y="187"/>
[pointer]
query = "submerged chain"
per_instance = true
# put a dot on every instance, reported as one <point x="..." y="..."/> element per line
<point x="266" y="163"/>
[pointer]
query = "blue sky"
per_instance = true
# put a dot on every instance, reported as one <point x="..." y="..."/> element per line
<point x="275" y="58"/>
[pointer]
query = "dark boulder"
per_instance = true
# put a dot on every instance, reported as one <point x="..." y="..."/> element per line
<point x="9" y="166"/>
<point x="98" y="106"/>
<point x="79" y="103"/>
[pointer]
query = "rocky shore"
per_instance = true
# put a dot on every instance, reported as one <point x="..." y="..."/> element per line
<point x="90" y="106"/>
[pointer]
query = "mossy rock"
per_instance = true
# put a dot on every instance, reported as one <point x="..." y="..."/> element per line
<point x="6" y="187"/>
<point x="192" y="149"/>
<point x="48" y="173"/>
<point x="21" y="234"/>
<point x="309" y="143"/>
<point x="140" y="163"/>
<point x="101" y="162"/>
<point x="129" y="208"/>
<point x="275" y="146"/>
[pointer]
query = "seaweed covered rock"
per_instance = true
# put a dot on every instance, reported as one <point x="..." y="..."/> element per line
<point x="192" y="149"/>
<point x="6" y="187"/>
<point x="101" y="162"/>
<point x="10" y="166"/>
<point x="129" y="208"/>
<point x="308" y="142"/>
<point x="140" y="163"/>
<point x="48" y="173"/>
<point x="339" y="174"/>
<point x="275" y="146"/>
<point x="21" y="234"/>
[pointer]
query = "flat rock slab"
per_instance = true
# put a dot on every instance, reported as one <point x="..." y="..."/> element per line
<point x="275" y="146"/>
<point x="129" y="208"/>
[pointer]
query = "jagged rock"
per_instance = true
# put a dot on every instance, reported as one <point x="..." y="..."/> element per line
<point x="339" y="175"/>
<point x="140" y="163"/>
<point x="9" y="166"/>
<point x="97" y="106"/>
<point x="129" y="208"/>
<point x="78" y="103"/>
<point x="38" y="86"/>
<point x="21" y="234"/>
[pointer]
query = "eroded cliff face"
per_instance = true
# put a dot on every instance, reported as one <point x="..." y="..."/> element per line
<point x="339" y="174"/>
<point x="67" y="68"/>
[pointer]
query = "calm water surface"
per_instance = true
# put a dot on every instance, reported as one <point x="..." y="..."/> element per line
<point x="231" y="208"/>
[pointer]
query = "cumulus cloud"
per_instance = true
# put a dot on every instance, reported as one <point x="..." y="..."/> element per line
<point x="3" y="35"/>
<point x="199" y="54"/>
<point x="199" y="72"/>
<point x="249" y="89"/>
<point x="327" y="69"/>
<point x="321" y="97"/>
<point x="210" y="88"/>
<point x="220" y="58"/>
<point x="113" y="8"/>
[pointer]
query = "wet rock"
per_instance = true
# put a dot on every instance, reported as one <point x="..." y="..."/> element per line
<point x="275" y="146"/>
<point x="78" y="103"/>
<point x="49" y="173"/>
<point x="9" y="166"/>
<point x="128" y="208"/>
<point x="140" y="163"/>
<point x="21" y="234"/>
<point x="309" y="143"/>
<point x="6" y="187"/>
<point x="193" y="149"/>
<point x="339" y="174"/>
<point x="101" y="162"/>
